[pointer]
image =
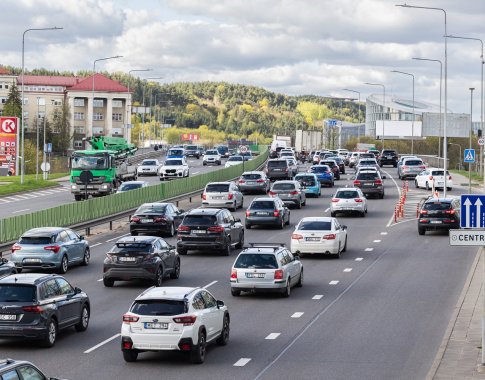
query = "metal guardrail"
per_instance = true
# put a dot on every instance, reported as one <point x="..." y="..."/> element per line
<point x="95" y="211"/>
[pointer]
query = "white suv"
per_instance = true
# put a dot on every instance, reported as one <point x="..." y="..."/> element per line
<point x="175" y="319"/>
<point x="211" y="157"/>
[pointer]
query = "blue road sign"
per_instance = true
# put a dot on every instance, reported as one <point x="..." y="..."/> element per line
<point x="472" y="214"/>
<point x="332" y="123"/>
<point x="469" y="155"/>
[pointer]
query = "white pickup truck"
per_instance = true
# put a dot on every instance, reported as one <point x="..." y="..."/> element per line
<point x="174" y="168"/>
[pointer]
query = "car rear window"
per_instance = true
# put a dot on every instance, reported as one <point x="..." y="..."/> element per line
<point x="211" y="153"/>
<point x="306" y="180"/>
<point x="191" y="147"/>
<point x="130" y="247"/>
<point x="17" y="293"/>
<point x="277" y="164"/>
<point x="251" y="176"/>
<point x="36" y="240"/>
<point x="151" y="209"/>
<point x="262" y="205"/>
<point x="283" y="186"/>
<point x="176" y="152"/>
<point x="217" y="188"/>
<point x="200" y="220"/>
<point x="439" y="172"/>
<point x="367" y="155"/>
<point x="347" y="194"/>
<point x="315" y="226"/>
<point x="256" y="261"/>
<point x="149" y="163"/>
<point x="159" y="307"/>
<point x="130" y="186"/>
<point x="413" y="162"/>
<point x="367" y="162"/>
<point x="437" y="206"/>
<point x="367" y="176"/>
<point x="320" y="169"/>
<point x="235" y="158"/>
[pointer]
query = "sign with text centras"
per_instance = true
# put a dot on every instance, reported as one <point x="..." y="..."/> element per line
<point x="8" y="141"/>
<point x="189" y="137"/>
<point x="472" y="214"/>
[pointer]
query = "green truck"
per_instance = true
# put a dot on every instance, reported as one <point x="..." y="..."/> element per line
<point x="105" y="165"/>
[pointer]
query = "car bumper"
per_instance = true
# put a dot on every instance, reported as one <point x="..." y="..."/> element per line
<point x="312" y="190"/>
<point x="48" y="261"/>
<point x="372" y="190"/>
<point x="23" y="331"/>
<point x="218" y="204"/>
<point x="248" y="188"/>
<point x="266" y="220"/>
<point x="201" y="245"/>
<point x="255" y="286"/>
<point x="116" y="272"/>
<point x="171" y="175"/>
<point x="155" y="342"/>
<point x="322" y="247"/>
<point x="349" y="208"/>
<point x="212" y="162"/>
<point x="438" y="225"/>
<point x="278" y="175"/>
<point x="150" y="228"/>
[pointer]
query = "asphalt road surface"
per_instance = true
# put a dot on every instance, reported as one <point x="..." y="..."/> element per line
<point x="378" y="312"/>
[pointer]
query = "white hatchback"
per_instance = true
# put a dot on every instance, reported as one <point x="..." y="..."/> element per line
<point x="433" y="177"/>
<point x="348" y="200"/>
<point x="319" y="235"/>
<point x="175" y="319"/>
<point x="148" y="167"/>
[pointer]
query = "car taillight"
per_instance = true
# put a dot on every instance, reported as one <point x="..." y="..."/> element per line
<point x="230" y="196"/>
<point x="449" y="177"/>
<point x="188" y="320"/>
<point x="53" y="248"/>
<point x="234" y="274"/>
<point x="160" y="219"/>
<point x="242" y="181"/>
<point x="127" y="345"/>
<point x="358" y="200"/>
<point x="378" y="182"/>
<point x="430" y="177"/>
<point x="135" y="219"/>
<point x="204" y="197"/>
<point x="404" y="167"/>
<point x="183" y="229"/>
<point x="297" y="237"/>
<point x="272" y="193"/>
<point x="260" y="181"/>
<point x="286" y="170"/>
<point x="128" y="318"/>
<point x="357" y="182"/>
<point x="335" y="200"/>
<point x="33" y="309"/>
<point x="16" y="247"/>
<point x="276" y="213"/>
<point x="278" y="274"/>
<point x="248" y="213"/>
<point x="294" y="192"/>
<point x="424" y="212"/>
<point x="450" y="212"/>
<point x="216" y="229"/>
<point x="422" y="167"/>
<point x="329" y="237"/>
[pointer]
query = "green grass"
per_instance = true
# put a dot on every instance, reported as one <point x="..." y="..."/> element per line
<point x="13" y="186"/>
<point x="475" y="176"/>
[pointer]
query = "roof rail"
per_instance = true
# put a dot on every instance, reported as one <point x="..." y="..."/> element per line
<point x="266" y="245"/>
<point x="193" y="290"/>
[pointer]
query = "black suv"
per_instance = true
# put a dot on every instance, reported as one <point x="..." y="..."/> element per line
<point x="140" y="257"/>
<point x="439" y="214"/>
<point x="192" y="151"/>
<point x="208" y="229"/>
<point x="20" y="369"/>
<point x="370" y="182"/>
<point x="388" y="157"/>
<point x="36" y="305"/>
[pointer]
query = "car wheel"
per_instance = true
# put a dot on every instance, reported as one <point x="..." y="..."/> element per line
<point x="242" y="203"/>
<point x="345" y="245"/>
<point x="427" y="186"/>
<point x="224" y="337"/>
<point x="86" y="257"/>
<point x="181" y="251"/>
<point x="240" y="243"/>
<point x="416" y="184"/>
<point x="448" y="188"/>
<point x="395" y="165"/>
<point x="421" y="231"/>
<point x="298" y="205"/>
<point x="234" y="207"/>
<point x="247" y="226"/>
<point x="197" y="355"/>
<point x="158" y="277"/>
<point x="331" y="184"/>
<point x="64" y="265"/>
<point x="287" y="290"/>
<point x="381" y="196"/>
<point x="84" y="320"/>
<point x="304" y="203"/>
<point x="176" y="271"/>
<point x="50" y="339"/>
<point x="235" y="292"/>
<point x="333" y="214"/>
<point x="130" y="355"/>
<point x="288" y="221"/>
<point x="227" y="250"/>
<point x="204" y="164"/>
<point x="171" y="233"/>
<point x="108" y="282"/>
<point x="282" y="224"/>
<point x="338" y="254"/>
<point x="300" y="280"/>
<point x="362" y="214"/>
<point x="78" y="197"/>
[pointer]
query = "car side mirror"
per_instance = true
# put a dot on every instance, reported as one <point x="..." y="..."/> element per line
<point x="77" y="290"/>
<point x="237" y="220"/>
<point x="219" y="304"/>
<point x="344" y="227"/>
<point x="3" y="260"/>
<point x="81" y="237"/>
<point x="384" y="177"/>
<point x="181" y="211"/>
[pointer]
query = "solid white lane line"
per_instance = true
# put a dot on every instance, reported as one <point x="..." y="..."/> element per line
<point x="195" y="172"/>
<point x="102" y="343"/>
<point x="359" y="258"/>
<point x="273" y="336"/>
<point x="369" y="249"/>
<point x="298" y="314"/>
<point x="327" y="210"/>
<point x="347" y="270"/>
<point x="100" y="280"/>
<point x="116" y="238"/>
<point x="317" y="297"/>
<point x="377" y="241"/>
<point x="242" y="362"/>
<point x="25" y="209"/>
<point x="333" y="282"/>
<point x="209" y="284"/>
<point x="95" y="245"/>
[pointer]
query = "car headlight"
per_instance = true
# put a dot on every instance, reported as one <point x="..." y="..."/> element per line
<point x="104" y="187"/>
<point x="73" y="187"/>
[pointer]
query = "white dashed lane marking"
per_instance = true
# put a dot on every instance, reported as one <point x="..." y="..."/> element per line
<point x="377" y="241"/>
<point x="348" y="270"/>
<point x="369" y="249"/>
<point x="334" y="282"/>
<point x="298" y="314"/>
<point x="273" y="336"/>
<point x="317" y="297"/>
<point x="383" y="233"/>
<point x="102" y="343"/>
<point x="359" y="258"/>
<point x="25" y="209"/>
<point x="242" y="362"/>
<point x="210" y="284"/>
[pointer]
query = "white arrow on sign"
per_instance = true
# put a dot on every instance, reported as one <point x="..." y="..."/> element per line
<point x="478" y="204"/>
<point x="467" y="205"/>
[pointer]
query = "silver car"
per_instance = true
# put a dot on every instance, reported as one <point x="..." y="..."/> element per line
<point x="289" y="192"/>
<point x="255" y="181"/>
<point x="348" y="200"/>
<point x="410" y="167"/>
<point x="268" y="268"/>
<point x="222" y="195"/>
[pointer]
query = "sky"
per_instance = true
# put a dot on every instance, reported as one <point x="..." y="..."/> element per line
<point x="292" y="47"/>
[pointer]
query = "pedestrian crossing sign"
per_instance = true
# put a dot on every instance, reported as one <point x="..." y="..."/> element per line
<point x="469" y="155"/>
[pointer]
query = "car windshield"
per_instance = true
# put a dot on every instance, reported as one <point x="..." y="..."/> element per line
<point x="277" y="164"/>
<point x="151" y="209"/>
<point x="191" y="147"/>
<point x="159" y="307"/>
<point x="41" y="240"/>
<point x="306" y="180"/>
<point x="173" y="163"/>
<point x="149" y="163"/>
<point x="130" y="247"/>
<point x="235" y="158"/>
<point x="200" y="220"/>
<point x="347" y="194"/>
<point x="211" y="153"/>
<point x="262" y="205"/>
<point x="437" y="206"/>
<point x="17" y="293"/>
<point x="176" y="152"/>
<point x="413" y="162"/>
<point x="320" y="169"/>
<point x="283" y="186"/>
<point x="251" y="176"/>
<point x="367" y="176"/>
<point x="217" y="188"/>
<point x="129" y="186"/>
<point x="89" y="162"/>
<point x="315" y="226"/>
<point x="256" y="261"/>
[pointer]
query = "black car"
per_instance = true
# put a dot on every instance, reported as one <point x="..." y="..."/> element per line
<point x="388" y="157"/>
<point x="340" y="163"/>
<point x="156" y="218"/>
<point x="333" y="166"/>
<point x="267" y="212"/>
<point x="208" y="229"/>
<point x="370" y="182"/>
<point x="278" y="169"/>
<point x="7" y="267"/>
<point x="192" y="151"/>
<point x="20" y="369"/>
<point x="439" y="214"/>
<point x="141" y="258"/>
<point x="37" y="306"/>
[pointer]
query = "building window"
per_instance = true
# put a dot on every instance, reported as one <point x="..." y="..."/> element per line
<point x="98" y="103"/>
<point x="79" y="130"/>
<point x="78" y="144"/>
<point x="117" y="103"/>
<point x="6" y="86"/>
<point x="98" y="116"/>
<point x="26" y="101"/>
<point x="41" y="101"/>
<point x="78" y="115"/>
<point x="78" y="102"/>
<point x="3" y="100"/>
<point x="56" y="102"/>
<point x="117" y="117"/>
<point x="40" y="114"/>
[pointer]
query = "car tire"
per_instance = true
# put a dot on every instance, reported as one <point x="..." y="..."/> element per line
<point x="224" y="337"/>
<point x="204" y="163"/>
<point x="108" y="282"/>
<point x="83" y="323"/>
<point x="300" y="280"/>
<point x="282" y="224"/>
<point x="247" y="226"/>
<point x="171" y="232"/>
<point x="240" y="243"/>
<point x="395" y="165"/>
<point x="197" y="355"/>
<point x="176" y="271"/>
<point x="304" y="203"/>
<point x="86" y="257"/>
<point x="64" y="265"/>
<point x="298" y="205"/>
<point x="344" y="249"/>
<point x="130" y="355"/>
<point x="362" y="214"/>
<point x="288" y="221"/>
<point x="78" y="198"/>
<point x="421" y="231"/>
<point x="448" y="189"/>
<point x="50" y="339"/>
<point x="287" y="290"/>
<point x="158" y="281"/>
<point x="381" y="196"/>
<point x="227" y="250"/>
<point x="182" y="251"/>
<point x="333" y="214"/>
<point x="234" y="207"/>
<point x="242" y="203"/>
<point x="235" y="292"/>
<point x="426" y="186"/>
<point x="331" y="184"/>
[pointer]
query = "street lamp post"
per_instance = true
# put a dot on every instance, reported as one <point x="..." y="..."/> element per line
<point x="358" y="129"/>
<point x="37" y="146"/>
<point x="383" y="108"/>
<point x="441" y="112"/>
<point x="144" y="109"/>
<point x="128" y="108"/>
<point x="470" y="141"/>
<point x="414" y="114"/>
<point x="21" y="127"/>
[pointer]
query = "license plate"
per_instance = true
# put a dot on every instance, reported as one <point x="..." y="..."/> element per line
<point x="147" y="220"/>
<point x="8" y="317"/>
<point x="435" y="222"/>
<point x="217" y="197"/>
<point x="312" y="239"/>
<point x="261" y="213"/>
<point x="127" y="259"/>
<point x="197" y="232"/>
<point x="277" y="170"/>
<point x="255" y="275"/>
<point x="439" y="184"/>
<point x="32" y="261"/>
<point x="251" y="183"/>
<point x="367" y="185"/>
<point x="156" y="325"/>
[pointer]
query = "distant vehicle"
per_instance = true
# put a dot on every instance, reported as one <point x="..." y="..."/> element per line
<point x="370" y="182"/>
<point x="211" y="157"/>
<point x="234" y="160"/>
<point x="367" y="163"/>
<point x="323" y="173"/>
<point x="332" y="164"/>
<point x="292" y="165"/>
<point x="156" y="218"/>
<point x="309" y="183"/>
<point x="439" y="214"/>
<point x="388" y="157"/>
<point x="174" y="168"/>
<point x="222" y="194"/>
<point x="131" y="185"/>
<point x="254" y="181"/>
<point x="176" y="153"/>
<point x="348" y="200"/>
<point x="410" y="168"/>
<point x="223" y="150"/>
<point x="248" y="156"/>
<point x="148" y="167"/>
<point x="192" y="151"/>
<point x="433" y="176"/>
<point x="290" y="192"/>
<point x="278" y="169"/>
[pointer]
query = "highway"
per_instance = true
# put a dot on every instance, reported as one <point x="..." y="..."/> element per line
<point x="379" y="312"/>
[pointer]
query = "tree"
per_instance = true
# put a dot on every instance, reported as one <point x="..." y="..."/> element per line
<point x="13" y="105"/>
<point x="60" y="123"/>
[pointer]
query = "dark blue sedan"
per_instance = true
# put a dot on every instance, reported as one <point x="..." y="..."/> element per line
<point x="324" y="174"/>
